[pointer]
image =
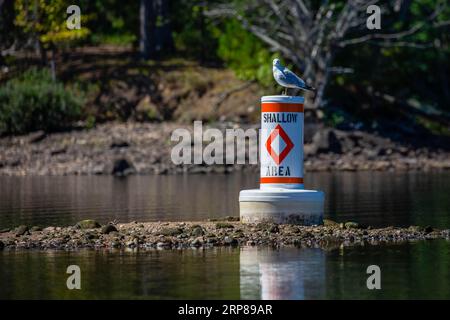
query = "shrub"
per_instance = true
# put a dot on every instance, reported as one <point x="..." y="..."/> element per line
<point x="33" y="101"/>
<point x="245" y="54"/>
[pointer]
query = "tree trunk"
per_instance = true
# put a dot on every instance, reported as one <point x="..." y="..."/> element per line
<point x="53" y="63"/>
<point x="155" y="32"/>
<point x="145" y="28"/>
<point x="322" y="76"/>
<point x="7" y="42"/>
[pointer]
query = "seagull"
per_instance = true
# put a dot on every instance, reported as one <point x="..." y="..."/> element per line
<point x="287" y="79"/>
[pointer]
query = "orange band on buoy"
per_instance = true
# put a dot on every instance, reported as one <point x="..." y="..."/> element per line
<point x="281" y="180"/>
<point x="281" y="107"/>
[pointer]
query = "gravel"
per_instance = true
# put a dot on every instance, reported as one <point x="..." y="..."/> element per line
<point x="206" y="234"/>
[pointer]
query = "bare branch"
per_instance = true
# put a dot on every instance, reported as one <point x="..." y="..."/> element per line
<point x="310" y="37"/>
<point x="403" y="44"/>
<point x="441" y="24"/>
<point x="260" y="33"/>
<point x="392" y="36"/>
<point x="304" y="9"/>
<point x="341" y="70"/>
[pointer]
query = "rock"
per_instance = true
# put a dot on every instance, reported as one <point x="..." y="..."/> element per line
<point x="35" y="228"/>
<point x="5" y="230"/>
<point x="351" y="225"/>
<point x="197" y="231"/>
<point x="98" y="169"/>
<point x="240" y="234"/>
<point x="87" y="224"/>
<point x="36" y="136"/>
<point x="197" y="242"/>
<point x="21" y="230"/>
<point x="428" y="229"/>
<point x="326" y="141"/>
<point x="267" y="226"/>
<point x="90" y="236"/>
<point x="291" y="230"/>
<point x="2" y="245"/>
<point x="224" y="225"/>
<point x="49" y="229"/>
<point x="119" y="143"/>
<point x="115" y="244"/>
<point x="230" y="241"/>
<point x="164" y="245"/>
<point x="131" y="244"/>
<point x="57" y="151"/>
<point x="14" y="162"/>
<point x="170" y="232"/>
<point x="330" y="223"/>
<point x="106" y="229"/>
<point x="231" y="218"/>
<point x="122" y="167"/>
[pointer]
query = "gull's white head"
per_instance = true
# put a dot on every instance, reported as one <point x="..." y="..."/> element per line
<point x="276" y="62"/>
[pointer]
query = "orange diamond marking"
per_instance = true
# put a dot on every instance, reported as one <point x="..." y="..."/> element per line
<point x="278" y="158"/>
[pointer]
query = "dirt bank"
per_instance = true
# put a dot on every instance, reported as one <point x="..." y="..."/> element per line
<point x="145" y="148"/>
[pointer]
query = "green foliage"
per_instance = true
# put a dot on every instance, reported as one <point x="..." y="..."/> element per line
<point x="245" y="54"/>
<point x="417" y="71"/>
<point x="90" y="122"/>
<point x="199" y="37"/>
<point x="34" y="102"/>
<point x="192" y="32"/>
<point x="433" y="126"/>
<point x="111" y="21"/>
<point x="114" y="39"/>
<point x="7" y="16"/>
<point x="335" y="119"/>
<point x="402" y="71"/>
<point x="47" y="20"/>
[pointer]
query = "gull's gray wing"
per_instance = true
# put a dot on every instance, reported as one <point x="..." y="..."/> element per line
<point x="293" y="79"/>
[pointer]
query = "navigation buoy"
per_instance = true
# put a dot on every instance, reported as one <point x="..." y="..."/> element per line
<point x="281" y="197"/>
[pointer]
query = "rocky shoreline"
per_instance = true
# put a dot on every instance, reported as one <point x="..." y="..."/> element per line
<point x="145" y="148"/>
<point x="207" y="234"/>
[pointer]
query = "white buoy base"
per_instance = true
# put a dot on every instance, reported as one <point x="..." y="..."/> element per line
<point x="294" y="206"/>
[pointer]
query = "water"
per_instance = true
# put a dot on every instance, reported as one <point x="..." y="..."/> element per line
<point x="418" y="270"/>
<point x="410" y="270"/>
<point x="377" y="199"/>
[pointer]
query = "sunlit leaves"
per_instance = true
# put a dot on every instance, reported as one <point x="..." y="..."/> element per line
<point x="46" y="20"/>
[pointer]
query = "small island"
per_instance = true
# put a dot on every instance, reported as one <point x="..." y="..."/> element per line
<point x="89" y="234"/>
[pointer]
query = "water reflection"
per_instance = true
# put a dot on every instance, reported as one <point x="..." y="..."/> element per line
<point x="65" y="200"/>
<point x="386" y="198"/>
<point x="414" y="270"/>
<point x="287" y="274"/>
<point x="374" y="198"/>
<point x="419" y="270"/>
<point x="154" y="274"/>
